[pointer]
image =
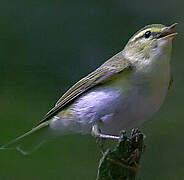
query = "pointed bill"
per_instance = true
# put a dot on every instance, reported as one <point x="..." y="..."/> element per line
<point x="168" y="32"/>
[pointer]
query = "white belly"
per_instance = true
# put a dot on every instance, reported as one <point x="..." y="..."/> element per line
<point x="114" y="111"/>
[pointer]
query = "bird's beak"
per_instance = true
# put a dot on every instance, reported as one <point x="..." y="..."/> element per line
<point x="168" y="32"/>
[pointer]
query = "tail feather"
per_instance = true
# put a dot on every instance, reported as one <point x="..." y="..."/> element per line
<point x="31" y="140"/>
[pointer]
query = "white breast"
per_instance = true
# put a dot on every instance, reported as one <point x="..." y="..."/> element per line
<point x="115" y="109"/>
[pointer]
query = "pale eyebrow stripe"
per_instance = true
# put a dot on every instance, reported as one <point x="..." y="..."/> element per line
<point x="140" y="34"/>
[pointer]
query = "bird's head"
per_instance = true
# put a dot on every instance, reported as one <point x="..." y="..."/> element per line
<point x="151" y="41"/>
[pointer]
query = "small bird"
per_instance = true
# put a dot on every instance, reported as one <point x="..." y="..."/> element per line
<point x="121" y="94"/>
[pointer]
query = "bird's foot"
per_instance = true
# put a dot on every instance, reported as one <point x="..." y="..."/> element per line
<point x="101" y="138"/>
<point x="135" y="131"/>
<point x="96" y="133"/>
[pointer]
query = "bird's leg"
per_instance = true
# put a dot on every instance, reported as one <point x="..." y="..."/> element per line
<point x="96" y="133"/>
<point x="101" y="138"/>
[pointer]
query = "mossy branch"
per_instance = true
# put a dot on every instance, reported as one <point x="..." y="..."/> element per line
<point x="122" y="163"/>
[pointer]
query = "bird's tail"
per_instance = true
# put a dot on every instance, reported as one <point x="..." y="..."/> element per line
<point x="31" y="140"/>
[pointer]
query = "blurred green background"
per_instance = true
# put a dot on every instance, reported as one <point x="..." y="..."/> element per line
<point x="45" y="47"/>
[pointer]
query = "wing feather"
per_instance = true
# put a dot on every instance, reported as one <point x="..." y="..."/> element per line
<point x="105" y="71"/>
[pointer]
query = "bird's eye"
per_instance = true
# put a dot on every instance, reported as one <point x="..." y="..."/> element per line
<point x="147" y="34"/>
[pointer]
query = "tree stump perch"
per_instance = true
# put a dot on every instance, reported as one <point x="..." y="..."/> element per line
<point x="122" y="162"/>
